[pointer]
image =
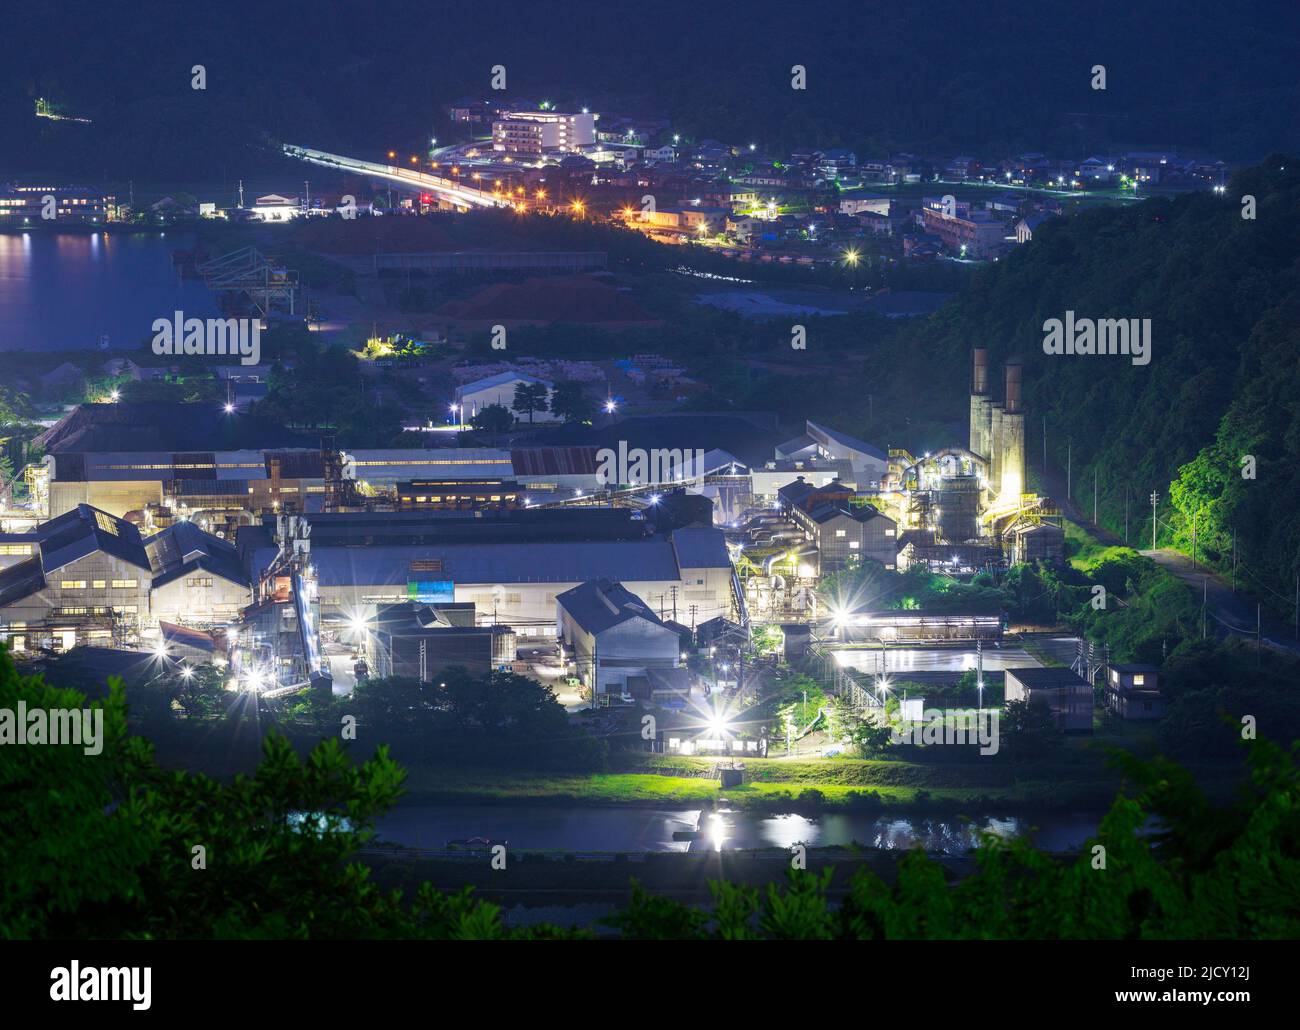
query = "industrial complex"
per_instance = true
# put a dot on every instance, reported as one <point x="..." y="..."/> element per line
<point x="414" y="558"/>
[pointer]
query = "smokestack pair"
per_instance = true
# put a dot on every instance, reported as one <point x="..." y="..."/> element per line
<point x="997" y="431"/>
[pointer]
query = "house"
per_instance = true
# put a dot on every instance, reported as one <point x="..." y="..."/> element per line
<point x="1026" y="226"/>
<point x="1067" y="695"/>
<point x="843" y="531"/>
<point x="471" y="398"/>
<point x="1133" y="691"/>
<point x="613" y="635"/>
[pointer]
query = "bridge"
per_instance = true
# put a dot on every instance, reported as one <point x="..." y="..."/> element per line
<point x="445" y="189"/>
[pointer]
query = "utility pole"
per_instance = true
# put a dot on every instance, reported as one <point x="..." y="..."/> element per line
<point x="674" y="589"/>
<point x="1205" y="602"/>
<point x="1155" y="499"/>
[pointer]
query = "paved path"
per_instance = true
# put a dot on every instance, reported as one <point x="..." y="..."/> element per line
<point x="1229" y="612"/>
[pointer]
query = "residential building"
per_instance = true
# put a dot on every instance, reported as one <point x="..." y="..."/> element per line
<point x="31" y="204"/>
<point x="540" y="132"/>
<point x="1133" y="691"/>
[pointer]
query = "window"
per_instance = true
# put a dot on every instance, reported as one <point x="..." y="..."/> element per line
<point x="74" y="584"/>
<point x="74" y="611"/>
<point x="839" y="533"/>
<point x="15" y="548"/>
<point x="1139" y="680"/>
<point x="199" y="581"/>
<point x="99" y="584"/>
<point x="125" y="584"/>
<point x="889" y="532"/>
<point x="106" y="522"/>
<point x="854" y="545"/>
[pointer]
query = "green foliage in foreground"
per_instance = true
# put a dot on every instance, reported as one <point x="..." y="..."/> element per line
<point x="104" y="846"/>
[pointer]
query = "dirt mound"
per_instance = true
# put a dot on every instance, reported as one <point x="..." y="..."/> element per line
<point x="578" y="299"/>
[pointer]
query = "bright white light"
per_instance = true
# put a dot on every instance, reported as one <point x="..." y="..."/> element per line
<point x="228" y="408"/>
<point x="610" y="406"/>
<point x="186" y="671"/>
<point x="113" y="395"/>
<point x="654" y="498"/>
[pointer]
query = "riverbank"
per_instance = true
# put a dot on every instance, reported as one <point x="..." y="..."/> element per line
<point x="771" y="786"/>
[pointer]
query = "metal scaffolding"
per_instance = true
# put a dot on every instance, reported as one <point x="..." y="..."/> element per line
<point x="249" y="271"/>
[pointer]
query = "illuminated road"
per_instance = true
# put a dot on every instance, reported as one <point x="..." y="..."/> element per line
<point x="444" y="189"/>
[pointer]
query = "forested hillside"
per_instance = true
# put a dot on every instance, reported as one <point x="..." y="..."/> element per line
<point x="1223" y="296"/>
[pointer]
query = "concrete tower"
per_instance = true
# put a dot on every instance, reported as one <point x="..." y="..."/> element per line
<point x="979" y="404"/>
<point x="1011" y="471"/>
<point x="995" y="447"/>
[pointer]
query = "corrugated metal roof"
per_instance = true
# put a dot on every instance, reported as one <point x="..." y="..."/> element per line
<point x="564" y="562"/>
<point x="598" y="605"/>
<point x="701" y="548"/>
<point x="554" y="461"/>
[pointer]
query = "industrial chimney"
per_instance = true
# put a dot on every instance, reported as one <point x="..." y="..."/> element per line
<point x="979" y="403"/>
<point x="1011" y="470"/>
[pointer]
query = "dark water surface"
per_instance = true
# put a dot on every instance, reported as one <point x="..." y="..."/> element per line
<point x="62" y="291"/>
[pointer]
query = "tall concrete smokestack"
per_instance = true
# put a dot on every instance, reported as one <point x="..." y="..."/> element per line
<point x="995" y="446"/>
<point x="979" y="403"/>
<point x="1011" y="473"/>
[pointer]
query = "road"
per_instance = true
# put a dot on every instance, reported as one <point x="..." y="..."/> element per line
<point x="1229" y="612"/>
<point x="445" y="189"/>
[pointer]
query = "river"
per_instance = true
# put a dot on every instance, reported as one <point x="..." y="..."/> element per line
<point x="61" y="291"/>
<point x="632" y="829"/>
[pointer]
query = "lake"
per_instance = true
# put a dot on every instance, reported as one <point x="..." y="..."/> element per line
<point x="61" y="291"/>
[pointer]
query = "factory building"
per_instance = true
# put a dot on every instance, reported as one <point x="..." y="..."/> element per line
<point x="612" y="635"/>
<point x="840" y="524"/>
<point x="92" y="578"/>
<point x="221" y="489"/>
<point x="1067" y="695"/>
<point x="510" y="564"/>
<point x="869" y="463"/>
<point x="472" y="398"/>
<point x="421" y="642"/>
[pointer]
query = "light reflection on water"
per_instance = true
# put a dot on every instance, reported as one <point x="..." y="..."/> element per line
<point x="65" y="290"/>
<point x="560" y="828"/>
